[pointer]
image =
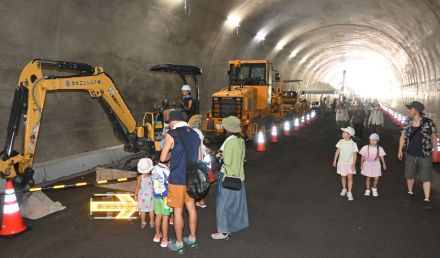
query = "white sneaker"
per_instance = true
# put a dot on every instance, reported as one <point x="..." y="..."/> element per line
<point x="375" y="193"/>
<point x="367" y="193"/>
<point x="344" y="192"/>
<point x="350" y="196"/>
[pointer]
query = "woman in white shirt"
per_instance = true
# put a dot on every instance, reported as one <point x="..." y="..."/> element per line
<point x="375" y="121"/>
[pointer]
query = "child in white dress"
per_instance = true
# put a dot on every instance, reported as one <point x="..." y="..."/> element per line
<point x="345" y="161"/>
<point x="144" y="191"/>
<point x="372" y="154"/>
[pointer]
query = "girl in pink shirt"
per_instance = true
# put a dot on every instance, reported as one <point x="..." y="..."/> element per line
<point x="372" y="154"/>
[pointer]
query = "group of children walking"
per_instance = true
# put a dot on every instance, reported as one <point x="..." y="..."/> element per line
<point x="372" y="162"/>
<point x="151" y="194"/>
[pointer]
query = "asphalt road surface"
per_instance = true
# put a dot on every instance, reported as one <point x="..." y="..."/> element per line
<point x="294" y="207"/>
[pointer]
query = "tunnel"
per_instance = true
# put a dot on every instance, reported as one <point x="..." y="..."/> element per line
<point x="382" y="50"/>
<point x="388" y="48"/>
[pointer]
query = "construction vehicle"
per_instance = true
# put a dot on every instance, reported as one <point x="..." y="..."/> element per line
<point x="255" y="95"/>
<point x="156" y="118"/>
<point x="41" y="76"/>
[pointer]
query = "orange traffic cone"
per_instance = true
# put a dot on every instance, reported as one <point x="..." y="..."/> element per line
<point x="12" y="222"/>
<point x="211" y="174"/>
<point x="313" y="115"/>
<point x="286" y="128"/>
<point x="274" y="134"/>
<point x="308" y="121"/>
<point x="438" y="150"/>
<point x="260" y="140"/>
<point x="296" y="126"/>
<point x="303" y="121"/>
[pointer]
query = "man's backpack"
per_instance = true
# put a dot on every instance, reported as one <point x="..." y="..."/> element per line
<point x="197" y="176"/>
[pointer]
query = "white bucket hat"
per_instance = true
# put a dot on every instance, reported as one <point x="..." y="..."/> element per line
<point x="186" y="87"/>
<point x="349" y="130"/>
<point x="145" y="165"/>
<point x="374" y="136"/>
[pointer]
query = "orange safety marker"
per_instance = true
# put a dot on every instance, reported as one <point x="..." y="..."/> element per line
<point x="274" y="134"/>
<point x="303" y="121"/>
<point x="211" y="174"/>
<point x="296" y="125"/>
<point x="261" y="145"/>
<point x="12" y="222"/>
<point x="308" y="119"/>
<point x="313" y="115"/>
<point x="286" y="128"/>
<point x="438" y="150"/>
<point x="207" y="159"/>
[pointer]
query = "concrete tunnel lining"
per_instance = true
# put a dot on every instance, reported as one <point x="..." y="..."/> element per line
<point x="128" y="37"/>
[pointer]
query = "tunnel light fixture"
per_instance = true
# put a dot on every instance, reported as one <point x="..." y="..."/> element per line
<point x="261" y="36"/>
<point x="233" y="21"/>
<point x="279" y="46"/>
<point x="292" y="54"/>
<point x="303" y="60"/>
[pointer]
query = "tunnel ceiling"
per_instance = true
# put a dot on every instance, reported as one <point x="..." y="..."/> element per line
<point x="320" y="38"/>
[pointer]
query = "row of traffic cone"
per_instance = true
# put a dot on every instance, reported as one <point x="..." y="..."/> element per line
<point x="297" y="124"/>
<point x="397" y="118"/>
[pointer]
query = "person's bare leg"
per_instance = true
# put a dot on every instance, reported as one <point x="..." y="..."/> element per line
<point x="350" y="182"/>
<point x="157" y="224"/>
<point x="367" y="182"/>
<point x="427" y="189"/>
<point x="376" y="182"/>
<point x="143" y="216"/>
<point x="178" y="224"/>
<point x="191" y="208"/>
<point x="344" y="182"/>
<point x="165" y="228"/>
<point x="410" y="184"/>
<point x="151" y="215"/>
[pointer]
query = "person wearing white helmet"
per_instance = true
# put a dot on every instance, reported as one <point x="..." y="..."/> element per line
<point x="345" y="161"/>
<point x="187" y="102"/>
<point x="372" y="154"/>
<point x="143" y="192"/>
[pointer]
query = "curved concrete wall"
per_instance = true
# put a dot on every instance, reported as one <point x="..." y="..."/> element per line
<point x="127" y="37"/>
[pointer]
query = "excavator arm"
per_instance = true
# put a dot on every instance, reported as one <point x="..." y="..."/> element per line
<point x="28" y="105"/>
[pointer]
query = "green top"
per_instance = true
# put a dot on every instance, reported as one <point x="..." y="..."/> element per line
<point x="233" y="157"/>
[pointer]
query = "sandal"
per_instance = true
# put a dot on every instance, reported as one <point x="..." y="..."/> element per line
<point x="164" y="243"/>
<point x="157" y="239"/>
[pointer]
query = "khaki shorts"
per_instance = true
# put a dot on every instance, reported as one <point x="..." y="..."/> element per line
<point x="418" y="167"/>
<point x="177" y="196"/>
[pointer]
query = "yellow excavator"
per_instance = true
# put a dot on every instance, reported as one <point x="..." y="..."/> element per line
<point x="255" y="94"/>
<point x="41" y="76"/>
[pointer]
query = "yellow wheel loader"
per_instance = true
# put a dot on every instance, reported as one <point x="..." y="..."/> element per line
<point x="255" y="95"/>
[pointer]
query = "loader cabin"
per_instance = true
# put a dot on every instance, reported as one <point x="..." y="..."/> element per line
<point x="248" y="94"/>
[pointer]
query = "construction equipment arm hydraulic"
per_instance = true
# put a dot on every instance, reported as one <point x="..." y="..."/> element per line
<point x="28" y="104"/>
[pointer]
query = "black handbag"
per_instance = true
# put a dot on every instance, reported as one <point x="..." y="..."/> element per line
<point x="231" y="183"/>
<point x="197" y="179"/>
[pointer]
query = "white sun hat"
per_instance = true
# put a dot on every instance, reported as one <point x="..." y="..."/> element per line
<point x="145" y="165"/>
<point x="374" y="136"/>
<point x="349" y="130"/>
